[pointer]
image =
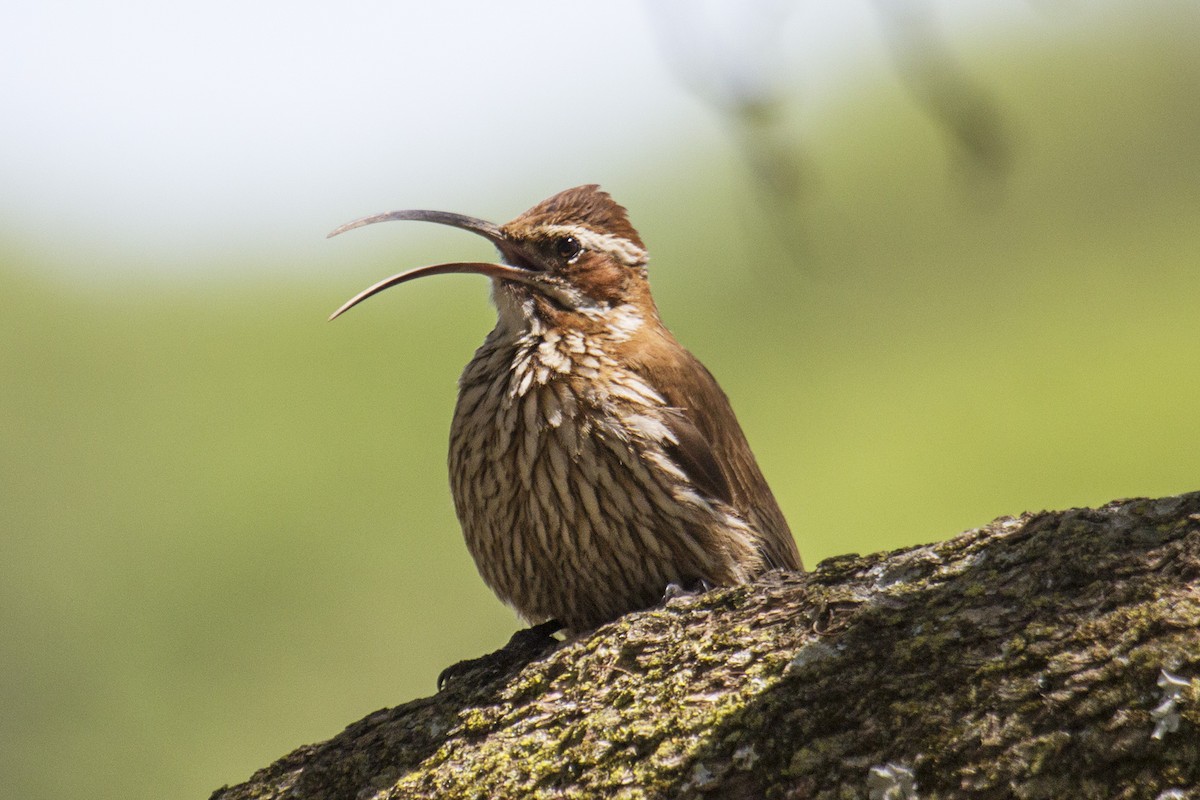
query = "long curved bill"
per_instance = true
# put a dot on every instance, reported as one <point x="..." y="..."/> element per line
<point x="487" y="230"/>
<point x="477" y="267"/>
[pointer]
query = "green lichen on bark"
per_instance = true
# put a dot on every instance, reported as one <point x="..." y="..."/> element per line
<point x="1021" y="659"/>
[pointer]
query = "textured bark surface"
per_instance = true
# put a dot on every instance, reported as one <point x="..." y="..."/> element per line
<point x="1052" y="655"/>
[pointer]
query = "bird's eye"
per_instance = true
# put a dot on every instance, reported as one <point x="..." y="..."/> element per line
<point x="568" y="248"/>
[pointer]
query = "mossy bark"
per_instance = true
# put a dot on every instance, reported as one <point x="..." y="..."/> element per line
<point x="1053" y="655"/>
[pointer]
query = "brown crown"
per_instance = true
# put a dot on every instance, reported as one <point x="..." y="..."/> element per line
<point x="584" y="205"/>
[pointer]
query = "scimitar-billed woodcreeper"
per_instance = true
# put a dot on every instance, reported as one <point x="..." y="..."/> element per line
<point x="593" y="460"/>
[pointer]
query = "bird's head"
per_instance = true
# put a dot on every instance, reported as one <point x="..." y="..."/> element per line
<point x="573" y="260"/>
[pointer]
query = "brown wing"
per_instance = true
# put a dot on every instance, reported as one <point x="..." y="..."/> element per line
<point x="695" y="456"/>
<point x="712" y="448"/>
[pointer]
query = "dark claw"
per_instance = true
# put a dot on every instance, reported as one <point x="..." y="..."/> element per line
<point x="526" y="645"/>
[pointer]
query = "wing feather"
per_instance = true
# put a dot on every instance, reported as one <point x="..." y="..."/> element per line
<point x="712" y="449"/>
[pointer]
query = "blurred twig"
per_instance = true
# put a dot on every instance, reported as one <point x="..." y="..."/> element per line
<point x="937" y="82"/>
<point x="730" y="54"/>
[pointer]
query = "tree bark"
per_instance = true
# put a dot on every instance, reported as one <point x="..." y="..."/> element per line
<point x="1052" y="655"/>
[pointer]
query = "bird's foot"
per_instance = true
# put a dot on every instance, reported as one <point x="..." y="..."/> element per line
<point x="674" y="590"/>
<point x="526" y="645"/>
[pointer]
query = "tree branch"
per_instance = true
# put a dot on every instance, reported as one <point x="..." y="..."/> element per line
<point x="1051" y="655"/>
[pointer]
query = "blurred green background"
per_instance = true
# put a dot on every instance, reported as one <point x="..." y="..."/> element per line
<point x="226" y="526"/>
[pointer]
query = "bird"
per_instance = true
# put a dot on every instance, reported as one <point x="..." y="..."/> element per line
<point x="595" y="463"/>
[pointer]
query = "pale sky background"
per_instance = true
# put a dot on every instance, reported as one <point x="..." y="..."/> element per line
<point x="143" y="135"/>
